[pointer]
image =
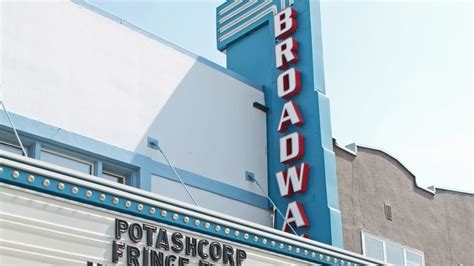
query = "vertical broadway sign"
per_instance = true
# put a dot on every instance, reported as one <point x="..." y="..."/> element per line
<point x="278" y="45"/>
<point x="295" y="179"/>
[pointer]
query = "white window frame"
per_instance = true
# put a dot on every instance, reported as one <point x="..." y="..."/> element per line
<point x="126" y="175"/>
<point x="122" y="178"/>
<point x="384" y="241"/>
<point x="60" y="154"/>
<point x="413" y="251"/>
<point x="12" y="145"/>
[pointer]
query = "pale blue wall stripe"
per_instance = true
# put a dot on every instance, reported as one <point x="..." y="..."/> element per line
<point x="50" y="135"/>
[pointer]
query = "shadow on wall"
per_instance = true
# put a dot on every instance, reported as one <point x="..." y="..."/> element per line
<point x="208" y="127"/>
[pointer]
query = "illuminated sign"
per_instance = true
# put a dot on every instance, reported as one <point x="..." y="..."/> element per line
<point x="162" y="248"/>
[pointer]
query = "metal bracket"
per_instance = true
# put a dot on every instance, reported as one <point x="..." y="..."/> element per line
<point x="249" y="176"/>
<point x="153" y="143"/>
<point x="260" y="107"/>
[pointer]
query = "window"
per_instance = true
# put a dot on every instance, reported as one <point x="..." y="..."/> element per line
<point x="374" y="248"/>
<point x="72" y="158"/>
<point x="390" y="252"/>
<point x="66" y="161"/>
<point x="413" y="259"/>
<point x="394" y="254"/>
<point x="5" y="146"/>
<point x="114" y="177"/>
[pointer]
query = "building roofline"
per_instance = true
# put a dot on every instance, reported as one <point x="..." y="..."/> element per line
<point x="352" y="149"/>
<point x="432" y="189"/>
<point x="455" y="190"/>
<point x="344" y="148"/>
<point x="146" y="33"/>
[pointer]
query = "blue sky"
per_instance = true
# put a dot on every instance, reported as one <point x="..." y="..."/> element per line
<point x="399" y="74"/>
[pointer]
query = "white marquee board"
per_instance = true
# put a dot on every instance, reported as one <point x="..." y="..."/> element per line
<point x="40" y="230"/>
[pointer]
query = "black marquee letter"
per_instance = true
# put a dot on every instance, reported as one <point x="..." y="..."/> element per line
<point x="162" y="240"/>
<point x="228" y="255"/>
<point x="120" y="227"/>
<point x="156" y="258"/>
<point x="215" y="251"/>
<point x="241" y="256"/>
<point x="178" y="243"/>
<point x="149" y="229"/>
<point x="146" y="257"/>
<point x="169" y="260"/>
<point x="135" y="232"/>
<point x="182" y="261"/>
<point x="116" y="251"/>
<point x="190" y="246"/>
<point x="133" y="253"/>
<point x="201" y="244"/>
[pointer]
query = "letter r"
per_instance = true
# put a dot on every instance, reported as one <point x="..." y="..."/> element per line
<point x="285" y="53"/>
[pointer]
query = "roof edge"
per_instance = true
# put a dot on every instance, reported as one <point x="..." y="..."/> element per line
<point x="146" y="33"/>
<point x="344" y="148"/>
<point x="455" y="190"/>
<point x="431" y="189"/>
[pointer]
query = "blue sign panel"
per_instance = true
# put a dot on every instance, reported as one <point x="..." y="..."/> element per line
<point x="277" y="43"/>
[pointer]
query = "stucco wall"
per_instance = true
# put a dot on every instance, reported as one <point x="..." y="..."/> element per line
<point x="440" y="225"/>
